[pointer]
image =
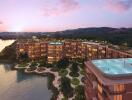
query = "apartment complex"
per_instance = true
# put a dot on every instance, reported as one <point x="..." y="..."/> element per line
<point x="73" y="49"/>
<point x="35" y="49"/>
<point x="108" y="79"/>
<point x="54" y="51"/>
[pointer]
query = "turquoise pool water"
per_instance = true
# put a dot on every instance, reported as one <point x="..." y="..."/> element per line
<point x="114" y="66"/>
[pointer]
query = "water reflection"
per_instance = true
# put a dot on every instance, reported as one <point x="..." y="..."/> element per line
<point x="15" y="85"/>
<point x="21" y="76"/>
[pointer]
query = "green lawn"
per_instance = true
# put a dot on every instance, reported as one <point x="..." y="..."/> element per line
<point x="23" y="65"/>
<point x="75" y="81"/>
<point x="64" y="99"/>
<point x="74" y="74"/>
<point x="33" y="64"/>
<point x="82" y="72"/>
<point x="63" y="72"/>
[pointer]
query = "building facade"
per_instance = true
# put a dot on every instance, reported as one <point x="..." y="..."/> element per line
<point x="113" y="82"/>
<point x="34" y="49"/>
<point x="54" y="51"/>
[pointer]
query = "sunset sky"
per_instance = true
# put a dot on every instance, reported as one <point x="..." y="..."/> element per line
<point x="56" y="15"/>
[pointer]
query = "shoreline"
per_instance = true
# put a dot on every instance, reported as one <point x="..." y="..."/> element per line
<point x="7" y="61"/>
<point x="51" y="79"/>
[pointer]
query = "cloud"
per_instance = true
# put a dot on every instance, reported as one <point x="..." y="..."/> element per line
<point x="60" y="7"/>
<point x="1" y="22"/>
<point x="120" y="5"/>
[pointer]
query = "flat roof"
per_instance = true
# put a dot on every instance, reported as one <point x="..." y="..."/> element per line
<point x="56" y="43"/>
<point x="121" y="66"/>
<point x="111" y="71"/>
<point x="91" y="43"/>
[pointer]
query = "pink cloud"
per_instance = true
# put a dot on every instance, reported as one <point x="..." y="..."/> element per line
<point x="3" y="28"/>
<point x="60" y="7"/>
<point x="1" y="22"/>
<point x="119" y="5"/>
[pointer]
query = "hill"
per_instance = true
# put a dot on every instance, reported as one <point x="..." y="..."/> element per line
<point x="9" y="53"/>
<point x="113" y="35"/>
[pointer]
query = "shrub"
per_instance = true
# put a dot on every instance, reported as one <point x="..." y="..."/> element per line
<point x="63" y="63"/>
<point x="74" y="68"/>
<point x="34" y="64"/>
<point x="63" y="72"/>
<point x="42" y="63"/>
<point x="73" y="74"/>
<point x="65" y="87"/>
<point x="64" y="99"/>
<point x="82" y="72"/>
<point x="80" y="95"/>
<point x="23" y="65"/>
<point x="75" y="81"/>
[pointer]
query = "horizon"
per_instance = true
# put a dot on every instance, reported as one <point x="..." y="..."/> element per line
<point x="64" y="30"/>
<point x="45" y="16"/>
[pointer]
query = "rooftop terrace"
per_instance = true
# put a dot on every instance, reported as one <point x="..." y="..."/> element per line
<point x="56" y="43"/>
<point x="114" y="67"/>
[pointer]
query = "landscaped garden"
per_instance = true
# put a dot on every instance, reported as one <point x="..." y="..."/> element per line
<point x="23" y="65"/>
<point x="68" y="75"/>
<point x="75" y="81"/>
<point x="63" y="72"/>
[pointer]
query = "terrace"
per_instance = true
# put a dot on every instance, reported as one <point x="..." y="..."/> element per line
<point x="121" y="66"/>
<point x="111" y="71"/>
<point x="55" y="43"/>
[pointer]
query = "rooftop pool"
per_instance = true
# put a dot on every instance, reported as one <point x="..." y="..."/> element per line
<point x="121" y="66"/>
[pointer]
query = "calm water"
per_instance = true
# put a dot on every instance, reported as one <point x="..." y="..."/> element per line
<point x="15" y="85"/>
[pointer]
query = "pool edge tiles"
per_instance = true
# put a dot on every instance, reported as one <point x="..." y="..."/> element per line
<point x="114" y="67"/>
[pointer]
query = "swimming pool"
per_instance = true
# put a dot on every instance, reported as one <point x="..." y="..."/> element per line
<point x="114" y="66"/>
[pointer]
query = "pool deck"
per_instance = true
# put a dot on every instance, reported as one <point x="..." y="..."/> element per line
<point x="121" y="66"/>
<point x="108" y="79"/>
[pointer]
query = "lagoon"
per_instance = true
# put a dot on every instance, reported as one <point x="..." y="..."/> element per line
<point x="16" y="85"/>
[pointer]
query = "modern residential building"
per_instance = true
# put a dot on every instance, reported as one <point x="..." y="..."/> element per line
<point x="108" y="79"/>
<point x="34" y="49"/>
<point x="55" y="51"/>
<point x="71" y="49"/>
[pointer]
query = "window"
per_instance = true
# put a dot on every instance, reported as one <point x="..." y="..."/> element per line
<point x="118" y="97"/>
<point x="100" y="96"/>
<point x="100" y="88"/>
<point x="119" y="87"/>
<point x="21" y="50"/>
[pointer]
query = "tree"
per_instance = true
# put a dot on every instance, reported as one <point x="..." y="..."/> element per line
<point x="65" y="87"/>
<point x="23" y="56"/>
<point x="74" y="70"/>
<point x="80" y="95"/>
<point x="63" y="63"/>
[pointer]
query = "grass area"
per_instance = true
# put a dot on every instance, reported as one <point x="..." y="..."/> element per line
<point x="23" y="65"/>
<point x="63" y="72"/>
<point x="64" y="99"/>
<point x="74" y="74"/>
<point x="34" y="64"/>
<point x="75" y="81"/>
<point x="82" y="72"/>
